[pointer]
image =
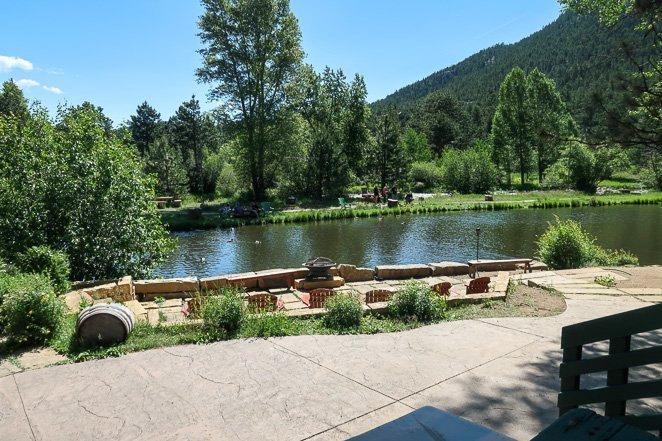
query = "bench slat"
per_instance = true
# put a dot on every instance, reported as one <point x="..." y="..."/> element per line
<point x="632" y="391"/>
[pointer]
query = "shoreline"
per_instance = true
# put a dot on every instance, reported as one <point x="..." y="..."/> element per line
<point x="180" y="220"/>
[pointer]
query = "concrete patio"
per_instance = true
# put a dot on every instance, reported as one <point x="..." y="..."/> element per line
<point x="502" y="373"/>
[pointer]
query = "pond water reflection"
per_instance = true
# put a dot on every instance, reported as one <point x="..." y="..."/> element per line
<point x="408" y="239"/>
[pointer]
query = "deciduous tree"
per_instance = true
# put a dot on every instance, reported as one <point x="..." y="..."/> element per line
<point x="251" y="53"/>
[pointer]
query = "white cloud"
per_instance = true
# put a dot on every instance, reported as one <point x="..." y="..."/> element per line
<point x="8" y="63"/>
<point x="53" y="89"/>
<point x="24" y="83"/>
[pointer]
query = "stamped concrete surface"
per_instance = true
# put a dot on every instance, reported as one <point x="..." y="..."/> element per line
<point x="502" y="373"/>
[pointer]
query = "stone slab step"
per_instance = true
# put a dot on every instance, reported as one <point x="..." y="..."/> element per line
<point x="600" y="291"/>
<point x="650" y="298"/>
<point x="643" y="291"/>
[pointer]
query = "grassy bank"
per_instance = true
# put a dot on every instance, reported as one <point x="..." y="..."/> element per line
<point x="522" y="301"/>
<point x="180" y="220"/>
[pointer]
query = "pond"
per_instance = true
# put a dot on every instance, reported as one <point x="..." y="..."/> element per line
<point x="408" y="239"/>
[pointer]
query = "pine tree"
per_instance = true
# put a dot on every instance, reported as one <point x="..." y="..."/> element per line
<point x="144" y="126"/>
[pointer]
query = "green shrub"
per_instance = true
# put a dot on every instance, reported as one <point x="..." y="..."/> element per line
<point x="588" y="167"/>
<point x="468" y="171"/>
<point x="223" y="314"/>
<point x="30" y="311"/>
<point x="227" y="183"/>
<point x="603" y="257"/>
<point x="344" y="311"/>
<point x="566" y="245"/>
<point x="45" y="260"/>
<point x="416" y="301"/>
<point x="266" y="325"/>
<point x="426" y="173"/>
<point x="557" y="176"/>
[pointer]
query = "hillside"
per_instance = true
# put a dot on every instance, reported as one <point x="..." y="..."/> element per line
<point x="579" y="53"/>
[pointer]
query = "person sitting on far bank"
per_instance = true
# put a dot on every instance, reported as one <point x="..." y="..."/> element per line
<point x="394" y="191"/>
<point x="375" y="192"/>
<point x="385" y="193"/>
<point x="409" y="197"/>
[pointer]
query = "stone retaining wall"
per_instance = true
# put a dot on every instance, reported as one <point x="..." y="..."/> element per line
<point x="126" y="289"/>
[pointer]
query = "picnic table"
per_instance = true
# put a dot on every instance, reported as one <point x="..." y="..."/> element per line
<point x="475" y="265"/>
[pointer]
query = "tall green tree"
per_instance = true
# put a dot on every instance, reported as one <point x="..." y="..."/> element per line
<point x="443" y="120"/>
<point x="144" y="126"/>
<point x="511" y="120"/>
<point x="251" y="52"/>
<point x="637" y="122"/>
<point x="550" y="121"/>
<point x="388" y="155"/>
<point x="415" y="147"/>
<point x="12" y="101"/>
<point x="165" y="160"/>
<point x="194" y="133"/>
<point x="336" y="113"/>
<point x="69" y="185"/>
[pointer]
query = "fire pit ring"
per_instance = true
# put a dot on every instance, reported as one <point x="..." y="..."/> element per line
<point x="318" y="268"/>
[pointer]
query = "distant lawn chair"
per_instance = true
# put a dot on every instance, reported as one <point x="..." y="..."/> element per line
<point x="317" y="298"/>
<point x="264" y="303"/>
<point x="266" y="207"/>
<point x="342" y="203"/>
<point x="443" y="288"/>
<point x="378" y="296"/>
<point x="478" y="286"/>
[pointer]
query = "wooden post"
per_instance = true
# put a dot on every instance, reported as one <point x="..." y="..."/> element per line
<point x="570" y="383"/>
<point x="616" y="377"/>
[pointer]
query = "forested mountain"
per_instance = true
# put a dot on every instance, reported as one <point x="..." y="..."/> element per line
<point x="581" y="55"/>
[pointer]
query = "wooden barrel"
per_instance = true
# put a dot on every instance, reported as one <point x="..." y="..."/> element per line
<point x="104" y="324"/>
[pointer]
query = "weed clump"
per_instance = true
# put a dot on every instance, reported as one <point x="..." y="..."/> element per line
<point x="344" y="312"/>
<point x="30" y="311"/>
<point x="223" y="314"/>
<point x="417" y="302"/>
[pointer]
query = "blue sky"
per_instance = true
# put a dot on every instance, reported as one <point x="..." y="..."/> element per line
<point x="118" y="53"/>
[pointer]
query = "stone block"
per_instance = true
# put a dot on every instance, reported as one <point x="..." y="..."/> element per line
<point x="102" y="291"/>
<point x="306" y="312"/>
<point x="137" y="309"/>
<point x="245" y="280"/>
<point x="538" y="266"/>
<point x="153" y="316"/>
<point x="314" y="284"/>
<point x="298" y="273"/>
<point x="164" y="286"/>
<point x="353" y="274"/>
<point x="106" y="300"/>
<point x="72" y="299"/>
<point x="125" y="291"/>
<point x="403" y="271"/>
<point x="449" y="269"/>
<point x="212" y="283"/>
<point x="378" y="308"/>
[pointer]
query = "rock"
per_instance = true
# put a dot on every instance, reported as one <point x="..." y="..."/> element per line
<point x="125" y="291"/>
<point x="353" y="274"/>
<point x="402" y="271"/>
<point x="246" y="280"/>
<point x="449" y="269"/>
<point x="72" y="299"/>
<point x="106" y="300"/>
<point x="314" y="284"/>
<point x="212" y="283"/>
<point x="102" y="291"/>
<point x="298" y="273"/>
<point x="163" y="286"/>
<point x="137" y="309"/>
<point x="538" y="266"/>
